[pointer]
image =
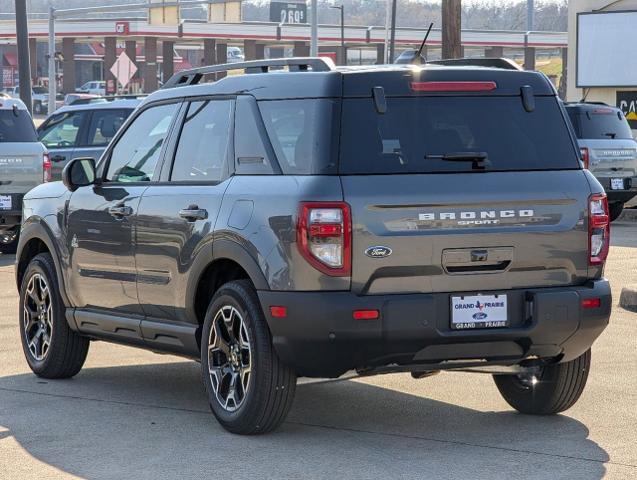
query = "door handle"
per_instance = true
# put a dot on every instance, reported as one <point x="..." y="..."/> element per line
<point x="120" y="211"/>
<point x="193" y="213"/>
<point x="58" y="158"/>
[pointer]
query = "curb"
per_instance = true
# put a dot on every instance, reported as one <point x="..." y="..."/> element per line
<point x="628" y="298"/>
<point x="628" y="215"/>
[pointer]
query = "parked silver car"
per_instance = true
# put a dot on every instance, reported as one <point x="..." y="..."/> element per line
<point x="24" y="164"/>
<point x="608" y="150"/>
<point x="82" y="130"/>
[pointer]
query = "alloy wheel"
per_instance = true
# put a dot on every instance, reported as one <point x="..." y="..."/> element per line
<point x="38" y="317"/>
<point x="229" y="358"/>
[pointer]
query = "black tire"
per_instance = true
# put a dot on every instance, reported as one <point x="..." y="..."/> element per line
<point x="37" y="108"/>
<point x="615" y="210"/>
<point x="66" y="352"/>
<point x="269" y="386"/>
<point x="557" y="389"/>
<point x="9" y="246"/>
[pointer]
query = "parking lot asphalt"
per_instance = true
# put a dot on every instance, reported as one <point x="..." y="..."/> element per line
<point x="135" y="414"/>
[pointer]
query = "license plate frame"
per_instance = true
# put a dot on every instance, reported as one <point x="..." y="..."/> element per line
<point x="618" y="184"/>
<point x="472" y="312"/>
<point x="6" y="202"/>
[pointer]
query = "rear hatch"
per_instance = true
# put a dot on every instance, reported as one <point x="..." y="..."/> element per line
<point x="460" y="191"/>
<point x="21" y="155"/>
<point x="606" y="134"/>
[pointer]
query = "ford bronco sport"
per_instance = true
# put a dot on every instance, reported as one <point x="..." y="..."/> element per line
<point x="608" y="150"/>
<point x="317" y="221"/>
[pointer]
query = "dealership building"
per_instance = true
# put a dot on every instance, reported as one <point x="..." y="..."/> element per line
<point x="601" y="58"/>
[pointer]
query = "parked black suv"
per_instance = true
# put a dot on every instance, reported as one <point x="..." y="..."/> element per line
<point x="322" y="220"/>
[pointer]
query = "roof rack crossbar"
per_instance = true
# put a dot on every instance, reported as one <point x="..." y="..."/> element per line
<point x="296" y="64"/>
<point x="503" y="63"/>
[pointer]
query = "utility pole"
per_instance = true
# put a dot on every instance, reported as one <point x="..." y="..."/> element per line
<point x="387" y="17"/>
<point x="314" y="28"/>
<point x="51" y="55"/>
<point x="451" y="29"/>
<point x="529" y="52"/>
<point x="24" y="63"/>
<point x="392" y="38"/>
<point x="343" y="55"/>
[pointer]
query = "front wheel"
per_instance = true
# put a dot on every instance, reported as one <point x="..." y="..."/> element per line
<point x="51" y="348"/>
<point x="615" y="210"/>
<point x="549" y="390"/>
<point x="249" y="390"/>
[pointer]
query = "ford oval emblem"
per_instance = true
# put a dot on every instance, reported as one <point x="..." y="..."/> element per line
<point x="378" y="252"/>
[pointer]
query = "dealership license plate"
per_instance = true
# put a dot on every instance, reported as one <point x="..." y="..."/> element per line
<point x="617" y="184"/>
<point x="5" y="202"/>
<point x="479" y="311"/>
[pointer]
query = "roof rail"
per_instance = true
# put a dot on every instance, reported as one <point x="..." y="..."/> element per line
<point x="503" y="63"/>
<point x="298" y="64"/>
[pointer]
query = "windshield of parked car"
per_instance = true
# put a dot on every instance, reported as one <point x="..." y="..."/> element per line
<point x="16" y="126"/>
<point x="452" y="134"/>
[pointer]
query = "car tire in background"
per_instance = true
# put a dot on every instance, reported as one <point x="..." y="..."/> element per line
<point x="250" y="391"/>
<point x="51" y="348"/>
<point x="615" y="210"/>
<point x="37" y="107"/>
<point x="9" y="242"/>
<point x="552" y="389"/>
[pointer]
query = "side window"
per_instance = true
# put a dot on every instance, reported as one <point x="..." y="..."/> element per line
<point x="251" y="154"/>
<point x="61" y="131"/>
<point x="104" y="125"/>
<point x="202" y="151"/>
<point x="135" y="156"/>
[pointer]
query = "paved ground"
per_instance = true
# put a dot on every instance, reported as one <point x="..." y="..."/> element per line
<point x="132" y="414"/>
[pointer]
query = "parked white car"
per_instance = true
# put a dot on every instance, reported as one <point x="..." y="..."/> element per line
<point x="94" y="88"/>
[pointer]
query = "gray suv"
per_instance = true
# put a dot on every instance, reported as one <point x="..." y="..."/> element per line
<point x="24" y="164"/>
<point x="316" y="221"/>
<point x="608" y="150"/>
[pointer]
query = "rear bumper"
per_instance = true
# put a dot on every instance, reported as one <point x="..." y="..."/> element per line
<point x="10" y="219"/>
<point x="619" y="196"/>
<point x="319" y="337"/>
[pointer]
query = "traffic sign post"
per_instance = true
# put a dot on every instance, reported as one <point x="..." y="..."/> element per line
<point x="123" y="69"/>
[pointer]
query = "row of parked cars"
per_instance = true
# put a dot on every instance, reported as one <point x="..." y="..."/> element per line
<point x="29" y="157"/>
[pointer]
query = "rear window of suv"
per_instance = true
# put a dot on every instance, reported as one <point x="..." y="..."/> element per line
<point x="414" y="133"/>
<point x="599" y="123"/>
<point x="16" y="127"/>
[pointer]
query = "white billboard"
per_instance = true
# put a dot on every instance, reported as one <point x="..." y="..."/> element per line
<point x="606" y="50"/>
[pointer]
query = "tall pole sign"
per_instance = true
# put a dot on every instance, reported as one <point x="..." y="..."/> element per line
<point x="24" y="63"/>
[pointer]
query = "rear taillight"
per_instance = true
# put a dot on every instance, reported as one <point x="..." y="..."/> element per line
<point x="46" y="168"/>
<point x="598" y="229"/>
<point x="584" y="154"/>
<point x="324" y="236"/>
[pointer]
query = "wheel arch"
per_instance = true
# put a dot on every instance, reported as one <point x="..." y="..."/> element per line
<point x="36" y="238"/>
<point x="230" y="261"/>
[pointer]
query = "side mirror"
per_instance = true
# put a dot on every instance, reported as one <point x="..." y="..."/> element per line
<point x="79" y="172"/>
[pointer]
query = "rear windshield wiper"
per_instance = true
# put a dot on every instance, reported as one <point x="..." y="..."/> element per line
<point x="480" y="159"/>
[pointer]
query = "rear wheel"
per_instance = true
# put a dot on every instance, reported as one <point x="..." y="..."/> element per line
<point x="51" y="348"/>
<point x="37" y="107"/>
<point x="615" y="210"/>
<point x="549" y="390"/>
<point x="249" y="390"/>
<point x="9" y="241"/>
